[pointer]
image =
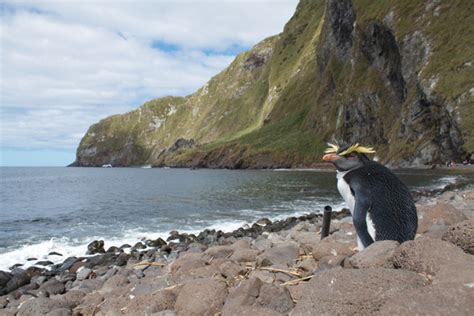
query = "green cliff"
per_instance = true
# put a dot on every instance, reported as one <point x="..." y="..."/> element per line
<point x="397" y="75"/>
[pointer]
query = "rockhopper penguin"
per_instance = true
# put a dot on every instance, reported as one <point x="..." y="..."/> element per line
<point x="381" y="205"/>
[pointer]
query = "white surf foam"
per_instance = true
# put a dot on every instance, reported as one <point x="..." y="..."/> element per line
<point x="444" y="181"/>
<point x="40" y="251"/>
<point x="69" y="247"/>
<point x="75" y="247"/>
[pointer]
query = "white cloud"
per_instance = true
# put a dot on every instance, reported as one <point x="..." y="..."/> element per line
<point x="66" y="65"/>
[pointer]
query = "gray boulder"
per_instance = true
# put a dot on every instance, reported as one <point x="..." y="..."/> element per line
<point x="330" y="262"/>
<point x="253" y="297"/>
<point x="156" y="243"/>
<point x="52" y="287"/>
<point x="218" y="252"/>
<point x="165" y="299"/>
<point x="60" y="312"/>
<point x="187" y="262"/>
<point x="462" y="235"/>
<point x="377" y="255"/>
<point x="101" y="260"/>
<point x="83" y="273"/>
<point x="201" y="297"/>
<point x="139" y="245"/>
<point x="88" y="304"/>
<point x="155" y="302"/>
<point x="446" y="299"/>
<point x="284" y="254"/>
<point x="65" y="277"/>
<point x="308" y="265"/>
<point x="39" y="306"/>
<point x="440" y="215"/>
<point x="262" y="243"/>
<point x="71" y="298"/>
<point x="89" y="285"/>
<point x="244" y="255"/>
<point x="264" y="276"/>
<point x="117" y="282"/>
<point x="97" y="246"/>
<point x="354" y="291"/>
<point x="114" y="249"/>
<point x="434" y="257"/>
<point x="22" y="278"/>
<point x="4" y="278"/>
<point x="297" y="291"/>
<point x="39" y="279"/>
<point x="3" y="301"/>
<point x="230" y="269"/>
<point x="122" y="259"/>
<point x="305" y="238"/>
<point x="331" y="247"/>
<point x="275" y="297"/>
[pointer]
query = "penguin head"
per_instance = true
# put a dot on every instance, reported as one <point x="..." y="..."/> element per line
<point x="346" y="158"/>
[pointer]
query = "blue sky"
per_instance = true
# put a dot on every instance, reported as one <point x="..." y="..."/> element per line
<point x="66" y="65"/>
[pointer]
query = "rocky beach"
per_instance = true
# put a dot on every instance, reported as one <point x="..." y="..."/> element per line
<point x="269" y="268"/>
<point x="161" y="222"/>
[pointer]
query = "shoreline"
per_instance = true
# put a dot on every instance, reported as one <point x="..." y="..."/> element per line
<point x="110" y="243"/>
<point x="143" y="237"/>
<point x="459" y="169"/>
<point x="269" y="254"/>
<point x="315" y="167"/>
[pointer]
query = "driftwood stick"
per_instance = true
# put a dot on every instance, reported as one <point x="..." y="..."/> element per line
<point x="296" y="281"/>
<point x="149" y="264"/>
<point x="290" y="273"/>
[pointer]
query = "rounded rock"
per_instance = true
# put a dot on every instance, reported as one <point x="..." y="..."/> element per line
<point x="97" y="246"/>
<point x="462" y="235"/>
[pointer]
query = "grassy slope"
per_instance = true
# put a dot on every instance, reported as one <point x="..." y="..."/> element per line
<point x="281" y="130"/>
<point x="280" y="108"/>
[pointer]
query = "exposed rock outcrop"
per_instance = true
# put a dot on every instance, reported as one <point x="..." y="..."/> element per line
<point x="342" y="70"/>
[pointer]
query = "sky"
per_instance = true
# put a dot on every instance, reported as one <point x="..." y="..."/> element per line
<point x="65" y="65"/>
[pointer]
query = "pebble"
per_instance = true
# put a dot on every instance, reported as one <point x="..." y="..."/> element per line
<point x="83" y="273"/>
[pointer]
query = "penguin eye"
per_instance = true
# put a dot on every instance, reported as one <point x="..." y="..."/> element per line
<point x="350" y="156"/>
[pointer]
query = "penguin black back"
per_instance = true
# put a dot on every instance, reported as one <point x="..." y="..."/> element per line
<point x="391" y="207"/>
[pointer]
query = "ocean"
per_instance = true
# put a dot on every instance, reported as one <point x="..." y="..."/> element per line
<point x="63" y="209"/>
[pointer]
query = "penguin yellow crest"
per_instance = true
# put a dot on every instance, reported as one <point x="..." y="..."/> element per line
<point x="332" y="149"/>
<point x="356" y="148"/>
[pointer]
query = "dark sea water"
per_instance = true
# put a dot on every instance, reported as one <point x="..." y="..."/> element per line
<point x="63" y="209"/>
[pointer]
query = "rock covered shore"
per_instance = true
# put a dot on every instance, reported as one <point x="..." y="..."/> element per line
<point x="270" y="268"/>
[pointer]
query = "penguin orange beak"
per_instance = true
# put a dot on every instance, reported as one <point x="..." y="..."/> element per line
<point x="331" y="157"/>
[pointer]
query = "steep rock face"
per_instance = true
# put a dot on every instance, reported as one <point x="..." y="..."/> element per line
<point x="373" y="84"/>
<point x="393" y="74"/>
<point x="337" y="37"/>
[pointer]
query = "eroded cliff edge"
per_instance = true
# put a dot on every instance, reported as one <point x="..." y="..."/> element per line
<point x="394" y="74"/>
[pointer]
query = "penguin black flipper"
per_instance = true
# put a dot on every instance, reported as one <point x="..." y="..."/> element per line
<point x="359" y="214"/>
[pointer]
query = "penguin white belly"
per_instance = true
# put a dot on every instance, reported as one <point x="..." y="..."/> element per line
<point x="370" y="227"/>
<point x="345" y="191"/>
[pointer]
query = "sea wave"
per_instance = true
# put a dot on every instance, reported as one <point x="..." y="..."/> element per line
<point x="444" y="181"/>
<point x="77" y="247"/>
